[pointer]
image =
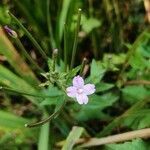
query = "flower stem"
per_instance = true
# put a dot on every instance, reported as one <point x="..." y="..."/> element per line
<point x="18" y="42"/>
<point x="35" y="43"/>
<point x="54" y="57"/>
<point x="49" y="118"/>
<point x="82" y="66"/>
<point x="76" y="39"/>
<point x="65" y="46"/>
<point x="49" y="25"/>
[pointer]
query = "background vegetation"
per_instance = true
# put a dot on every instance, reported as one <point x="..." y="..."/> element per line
<point x="114" y="36"/>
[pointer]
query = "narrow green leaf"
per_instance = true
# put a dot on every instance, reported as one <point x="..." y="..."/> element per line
<point x="15" y="60"/>
<point x="8" y="120"/>
<point x="11" y="80"/>
<point x="73" y="136"/>
<point x="28" y="34"/>
<point x="63" y="16"/>
<point x="43" y="143"/>
<point x="10" y="123"/>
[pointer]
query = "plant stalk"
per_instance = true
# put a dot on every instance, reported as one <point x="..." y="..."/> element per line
<point x="76" y="39"/>
<point x="28" y="34"/>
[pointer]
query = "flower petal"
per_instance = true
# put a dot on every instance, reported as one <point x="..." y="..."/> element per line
<point x="89" y="89"/>
<point x="82" y="98"/>
<point x="78" y="82"/>
<point x="71" y="91"/>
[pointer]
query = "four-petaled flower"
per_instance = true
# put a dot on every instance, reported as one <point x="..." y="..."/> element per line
<point x="79" y="90"/>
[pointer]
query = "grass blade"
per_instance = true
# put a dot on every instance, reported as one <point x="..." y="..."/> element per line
<point x="28" y="34"/>
<point x="49" y="25"/>
<point x="43" y="143"/>
<point x="15" y="60"/>
<point x="76" y="39"/>
<point x="12" y="123"/>
<point x="63" y="16"/>
<point x="73" y="136"/>
<point x="13" y="81"/>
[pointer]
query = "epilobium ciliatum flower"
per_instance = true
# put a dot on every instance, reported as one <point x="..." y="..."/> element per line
<point x="80" y="91"/>
<point x="11" y="32"/>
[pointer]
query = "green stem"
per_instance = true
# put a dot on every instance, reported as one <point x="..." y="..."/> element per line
<point x="44" y="135"/>
<point x="95" y="48"/>
<point x="47" y="119"/>
<point x="55" y="53"/>
<point x="49" y="25"/>
<point x="91" y="8"/>
<point x="35" y="43"/>
<point x="82" y="66"/>
<point x="6" y="89"/>
<point x="65" y="46"/>
<point x="76" y="39"/>
<point x="93" y="36"/>
<point x="18" y="42"/>
<point x="117" y="12"/>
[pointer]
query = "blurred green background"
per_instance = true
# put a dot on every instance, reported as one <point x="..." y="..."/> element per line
<point x="114" y="36"/>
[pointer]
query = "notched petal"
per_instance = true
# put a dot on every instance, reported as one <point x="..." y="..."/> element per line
<point x="78" y="82"/>
<point x="71" y="91"/>
<point x="89" y="89"/>
<point x="82" y="99"/>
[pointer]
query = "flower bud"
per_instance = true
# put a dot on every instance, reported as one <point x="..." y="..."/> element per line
<point x="11" y="32"/>
<point x="55" y="52"/>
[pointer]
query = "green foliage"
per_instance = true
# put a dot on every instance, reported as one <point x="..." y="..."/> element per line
<point x="89" y="24"/>
<point x="94" y="109"/>
<point x="100" y="87"/>
<point x="97" y="71"/>
<point x="15" y="59"/>
<point x="132" y="94"/>
<point x="12" y="125"/>
<point x="117" y="48"/>
<point x="55" y="95"/>
<point x="4" y="17"/>
<point x="138" y="119"/>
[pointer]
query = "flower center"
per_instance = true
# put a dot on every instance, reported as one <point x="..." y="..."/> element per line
<point x="79" y="91"/>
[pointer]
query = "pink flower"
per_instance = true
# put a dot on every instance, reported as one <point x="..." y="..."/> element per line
<point x="80" y="91"/>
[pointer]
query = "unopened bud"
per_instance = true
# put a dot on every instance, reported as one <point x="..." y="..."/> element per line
<point x="54" y="57"/>
<point x="55" y="51"/>
<point x="11" y="32"/>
